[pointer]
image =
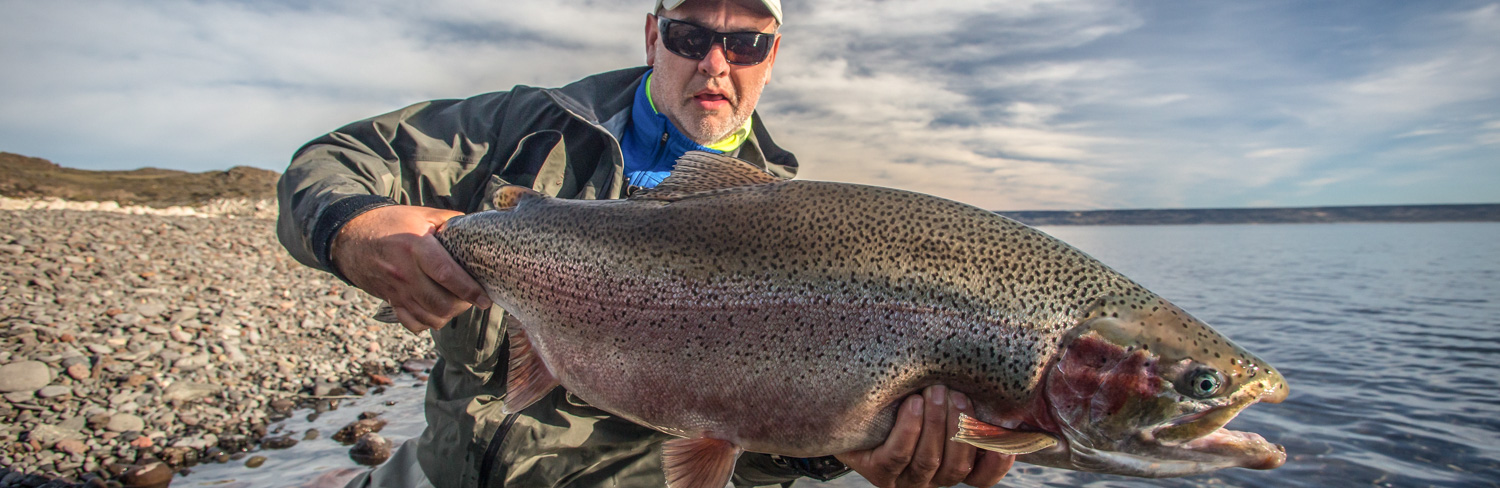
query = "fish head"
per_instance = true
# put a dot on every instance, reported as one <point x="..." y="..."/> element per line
<point x="1142" y="388"/>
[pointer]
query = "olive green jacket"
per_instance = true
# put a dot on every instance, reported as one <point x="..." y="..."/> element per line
<point x="455" y="154"/>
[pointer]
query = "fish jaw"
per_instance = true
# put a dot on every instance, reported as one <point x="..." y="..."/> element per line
<point x="1128" y="395"/>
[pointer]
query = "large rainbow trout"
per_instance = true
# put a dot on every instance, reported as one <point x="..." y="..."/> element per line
<point x="741" y="312"/>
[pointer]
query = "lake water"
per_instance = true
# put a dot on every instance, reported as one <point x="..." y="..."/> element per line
<point x="1389" y="335"/>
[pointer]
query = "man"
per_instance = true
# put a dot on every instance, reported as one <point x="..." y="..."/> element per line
<point x="363" y="203"/>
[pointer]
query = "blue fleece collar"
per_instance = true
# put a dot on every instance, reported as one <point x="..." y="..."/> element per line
<point x="651" y="143"/>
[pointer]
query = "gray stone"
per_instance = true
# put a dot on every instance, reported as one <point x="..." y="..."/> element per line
<point x="48" y="435"/>
<point x="124" y="422"/>
<point x="20" y="396"/>
<point x="127" y="319"/>
<point x="24" y="376"/>
<point x="150" y="309"/>
<point x="188" y="391"/>
<point x="54" y="391"/>
<point x="101" y="349"/>
<point x="192" y="363"/>
<point x="77" y="423"/>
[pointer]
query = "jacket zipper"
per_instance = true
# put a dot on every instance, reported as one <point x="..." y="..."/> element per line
<point x="492" y="452"/>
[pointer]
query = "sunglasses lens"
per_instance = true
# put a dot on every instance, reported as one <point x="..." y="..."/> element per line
<point x="745" y="48"/>
<point x="688" y="40"/>
<point x="694" y="42"/>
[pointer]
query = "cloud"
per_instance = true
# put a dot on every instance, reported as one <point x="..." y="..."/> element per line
<point x="1031" y="104"/>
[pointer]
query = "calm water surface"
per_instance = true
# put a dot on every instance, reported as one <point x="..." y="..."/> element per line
<point x="1388" y="333"/>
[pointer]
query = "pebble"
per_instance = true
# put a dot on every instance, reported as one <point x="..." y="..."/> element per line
<point x="126" y="312"/>
<point x="79" y="371"/>
<point x="47" y="435"/>
<point x="358" y="428"/>
<point x="54" y="391"/>
<point x="370" y="449"/>
<point x="151" y="475"/>
<point x="255" y="461"/>
<point x="71" y="446"/>
<point x="24" y="376"/>
<point x="188" y="391"/>
<point x="278" y="442"/>
<point x="124" y="422"/>
<point x="150" y="309"/>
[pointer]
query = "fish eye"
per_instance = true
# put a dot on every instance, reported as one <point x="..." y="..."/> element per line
<point x="1203" y="383"/>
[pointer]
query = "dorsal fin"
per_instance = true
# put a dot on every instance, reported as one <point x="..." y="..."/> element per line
<point x="699" y="171"/>
<point x="508" y="196"/>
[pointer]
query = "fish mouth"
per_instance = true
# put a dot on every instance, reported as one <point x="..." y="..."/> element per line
<point x="1204" y="433"/>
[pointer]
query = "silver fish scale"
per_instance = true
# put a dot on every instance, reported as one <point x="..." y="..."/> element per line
<point x="704" y="315"/>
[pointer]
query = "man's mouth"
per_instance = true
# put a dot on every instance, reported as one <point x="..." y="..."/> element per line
<point x="710" y="100"/>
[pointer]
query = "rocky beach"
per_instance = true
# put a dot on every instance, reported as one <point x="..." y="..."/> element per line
<point x="138" y="341"/>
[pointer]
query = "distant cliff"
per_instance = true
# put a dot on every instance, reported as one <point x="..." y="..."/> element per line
<point x="28" y="177"/>
<point x="1488" y="212"/>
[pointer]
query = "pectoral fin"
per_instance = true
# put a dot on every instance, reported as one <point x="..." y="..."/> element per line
<point x="528" y="380"/>
<point x="386" y="313"/>
<point x="976" y="433"/>
<point x="698" y="463"/>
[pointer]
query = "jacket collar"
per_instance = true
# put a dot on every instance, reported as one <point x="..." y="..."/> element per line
<point x="605" y="99"/>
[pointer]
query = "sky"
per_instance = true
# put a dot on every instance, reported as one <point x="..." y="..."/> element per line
<point x="1008" y="105"/>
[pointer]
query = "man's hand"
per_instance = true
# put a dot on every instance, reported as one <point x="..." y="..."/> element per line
<point x="391" y="253"/>
<point x="918" y="452"/>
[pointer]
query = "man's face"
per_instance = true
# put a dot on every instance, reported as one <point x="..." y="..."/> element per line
<point x="708" y="99"/>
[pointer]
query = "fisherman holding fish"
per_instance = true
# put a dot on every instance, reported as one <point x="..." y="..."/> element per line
<point x="364" y="202"/>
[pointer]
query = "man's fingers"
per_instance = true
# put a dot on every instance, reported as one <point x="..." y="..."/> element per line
<point x="410" y="321"/>
<point x="896" y="452"/>
<point x="439" y="266"/>
<point x="928" y="456"/>
<point x="989" y="468"/>
<point x="958" y="458"/>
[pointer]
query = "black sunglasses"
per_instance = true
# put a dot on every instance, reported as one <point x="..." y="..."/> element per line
<point x="694" y="41"/>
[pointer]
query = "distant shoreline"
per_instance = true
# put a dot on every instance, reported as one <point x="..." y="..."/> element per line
<point x="1483" y="212"/>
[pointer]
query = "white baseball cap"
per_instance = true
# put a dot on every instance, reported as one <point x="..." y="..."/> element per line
<point x="773" y="5"/>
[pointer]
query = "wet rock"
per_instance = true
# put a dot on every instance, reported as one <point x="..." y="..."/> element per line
<point x="370" y="449"/>
<point x="179" y="456"/>
<point x="234" y="443"/>
<point x="417" y="365"/>
<point x="282" y="406"/>
<point x="151" y="475"/>
<point x="353" y="431"/>
<point x="24" y="376"/>
<point x="311" y="434"/>
<point x="278" y="442"/>
<point x="255" y="461"/>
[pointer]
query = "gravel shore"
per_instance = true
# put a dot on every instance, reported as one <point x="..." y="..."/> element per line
<point x="131" y="337"/>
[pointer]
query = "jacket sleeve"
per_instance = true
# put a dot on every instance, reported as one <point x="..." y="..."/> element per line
<point x="380" y="161"/>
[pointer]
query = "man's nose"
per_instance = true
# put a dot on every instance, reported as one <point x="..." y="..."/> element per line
<point x="714" y="64"/>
